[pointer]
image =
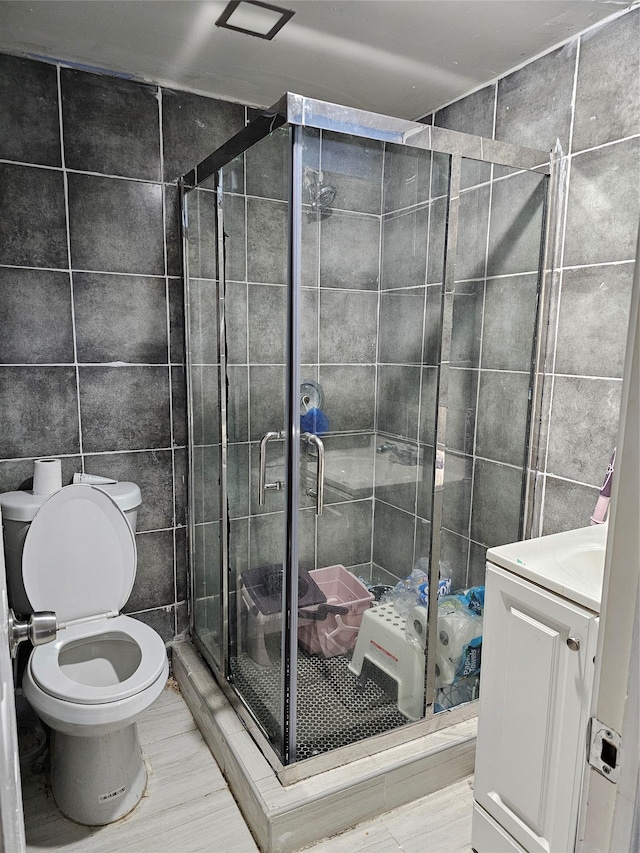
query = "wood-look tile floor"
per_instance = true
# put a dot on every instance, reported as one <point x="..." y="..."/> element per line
<point x="188" y="807"/>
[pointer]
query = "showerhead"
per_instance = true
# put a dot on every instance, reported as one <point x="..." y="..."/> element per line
<point x="320" y="197"/>
<point x="323" y="198"/>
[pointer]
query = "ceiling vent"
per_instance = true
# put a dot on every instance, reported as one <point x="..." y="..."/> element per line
<point x="254" y="18"/>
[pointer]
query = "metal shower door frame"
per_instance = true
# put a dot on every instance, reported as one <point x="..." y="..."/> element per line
<point x="298" y="113"/>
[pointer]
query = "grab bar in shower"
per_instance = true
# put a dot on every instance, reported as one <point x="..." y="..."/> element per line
<point x="319" y="489"/>
<point x="263" y="486"/>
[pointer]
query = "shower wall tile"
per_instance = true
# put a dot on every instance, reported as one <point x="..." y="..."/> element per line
<point x="544" y="91"/>
<point x="29" y="119"/>
<point x="179" y="405"/>
<point x="407" y="175"/>
<point x="603" y="205"/>
<point x="457" y="493"/>
<point x="309" y="348"/>
<point x="267" y="166"/>
<point x="393" y="532"/>
<point x="564" y="502"/>
<point x="35" y="311"/>
<point x="152" y="471"/>
<point x="238" y="403"/>
<point x="473" y="220"/>
<point x="608" y="85"/>
<point x="502" y="416"/>
<point x="404" y="249"/>
<point x="236" y="322"/>
<point x="348" y="327"/>
<point x="583" y="429"/>
<point x="111" y="126"/>
<point x="172" y="235"/>
<point x="397" y="401"/>
<point x="39" y="411"/>
<point x="432" y="318"/>
<point x="401" y="326"/>
<point x="176" y="321"/>
<point x="206" y="462"/>
<point x="201" y="215"/>
<point x="193" y="126"/>
<point x="495" y="512"/>
<point x="454" y="555"/>
<point x="594" y="300"/>
<point x="120" y="318"/>
<point x="344" y="534"/>
<point x="516" y="223"/>
<point x="235" y="246"/>
<point x="203" y="308"/>
<point x="473" y="114"/>
<point x="425" y="484"/>
<point x="349" y="397"/>
<point x="238" y="480"/>
<point x="32" y="217"/>
<point x="266" y="241"/>
<point x="354" y="167"/>
<point x="428" y="404"/>
<point x="267" y="319"/>
<point x="266" y="400"/>
<point x="349" y="252"/>
<point x="124" y="408"/>
<point x="437" y="226"/>
<point x="116" y="225"/>
<point x="466" y="331"/>
<point x="206" y="404"/>
<point x="461" y="410"/>
<point x="509" y="322"/>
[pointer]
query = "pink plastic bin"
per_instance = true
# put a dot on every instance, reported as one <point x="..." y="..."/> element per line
<point x="336" y="634"/>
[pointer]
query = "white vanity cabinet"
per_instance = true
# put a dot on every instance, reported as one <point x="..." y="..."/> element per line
<point x="535" y="692"/>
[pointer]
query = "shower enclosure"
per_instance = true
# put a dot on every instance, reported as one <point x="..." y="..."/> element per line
<point x="362" y="296"/>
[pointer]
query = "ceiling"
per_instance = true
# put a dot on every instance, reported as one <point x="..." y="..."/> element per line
<point x="398" y="57"/>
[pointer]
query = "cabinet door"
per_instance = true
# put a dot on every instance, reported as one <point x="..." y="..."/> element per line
<point x="534" y="703"/>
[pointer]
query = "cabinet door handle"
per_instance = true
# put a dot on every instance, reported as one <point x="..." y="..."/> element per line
<point x="574" y="644"/>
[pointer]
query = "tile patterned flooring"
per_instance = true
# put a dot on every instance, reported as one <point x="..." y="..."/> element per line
<point x="188" y="807"/>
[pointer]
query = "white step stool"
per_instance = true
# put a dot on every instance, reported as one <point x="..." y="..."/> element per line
<point x="396" y="646"/>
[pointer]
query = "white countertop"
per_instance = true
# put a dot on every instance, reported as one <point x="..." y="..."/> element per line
<point x="570" y="564"/>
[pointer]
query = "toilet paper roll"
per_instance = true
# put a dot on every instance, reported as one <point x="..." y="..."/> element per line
<point x="47" y="476"/>
<point x="416" y="627"/>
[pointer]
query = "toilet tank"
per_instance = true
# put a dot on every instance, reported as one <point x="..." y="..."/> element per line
<point x="18" y="511"/>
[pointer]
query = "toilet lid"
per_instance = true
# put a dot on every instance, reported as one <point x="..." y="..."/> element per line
<point x="79" y="555"/>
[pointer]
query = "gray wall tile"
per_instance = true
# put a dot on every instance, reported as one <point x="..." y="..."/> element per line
<point x="32" y="217"/>
<point x="401" y="326"/>
<point x="29" y="120"/>
<point x="495" y="511"/>
<point x="111" y="126"/>
<point x="603" y="205"/>
<point x="543" y="89"/>
<point x="35" y="314"/>
<point x="516" y="224"/>
<point x="502" y="416"/>
<point x="120" y="318"/>
<point x="40" y="411"/>
<point x="397" y="401"/>
<point x="584" y="423"/>
<point x="404" y="249"/>
<point x="393" y="532"/>
<point x="349" y="397"/>
<point x="348" y="327"/>
<point x="349" y="251"/>
<point x="354" y="167"/>
<point x="124" y="408"/>
<point x="407" y="174"/>
<point x="344" y="534"/>
<point x="154" y="583"/>
<point x="472" y="114"/>
<point x="509" y="322"/>
<point x="594" y="313"/>
<point x="266" y="241"/>
<point x="567" y="505"/>
<point x="608" y="86"/>
<point x="115" y="225"/>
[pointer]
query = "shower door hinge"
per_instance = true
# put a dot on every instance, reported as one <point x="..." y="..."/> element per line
<point x="604" y="750"/>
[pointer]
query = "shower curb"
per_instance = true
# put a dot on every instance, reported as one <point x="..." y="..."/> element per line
<point x="284" y="819"/>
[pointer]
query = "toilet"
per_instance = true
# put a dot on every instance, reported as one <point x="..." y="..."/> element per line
<point x="74" y="552"/>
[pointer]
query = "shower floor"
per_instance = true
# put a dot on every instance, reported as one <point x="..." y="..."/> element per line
<point x="331" y="711"/>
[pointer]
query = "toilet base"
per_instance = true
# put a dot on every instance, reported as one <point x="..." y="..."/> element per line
<point x="96" y="780"/>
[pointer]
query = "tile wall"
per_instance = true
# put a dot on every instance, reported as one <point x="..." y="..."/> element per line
<point x="91" y="349"/>
<point x="586" y="94"/>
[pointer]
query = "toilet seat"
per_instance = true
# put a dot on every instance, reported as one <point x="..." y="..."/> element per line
<point x="79" y="556"/>
<point x="48" y="675"/>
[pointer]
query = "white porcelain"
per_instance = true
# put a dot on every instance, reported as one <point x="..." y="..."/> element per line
<point x="570" y="563"/>
<point x="77" y="557"/>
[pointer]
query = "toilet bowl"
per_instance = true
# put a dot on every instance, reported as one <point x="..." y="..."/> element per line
<point x="78" y="558"/>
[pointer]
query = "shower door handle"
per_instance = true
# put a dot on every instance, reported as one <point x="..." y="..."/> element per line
<point x="263" y="486"/>
<point x="314" y="439"/>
